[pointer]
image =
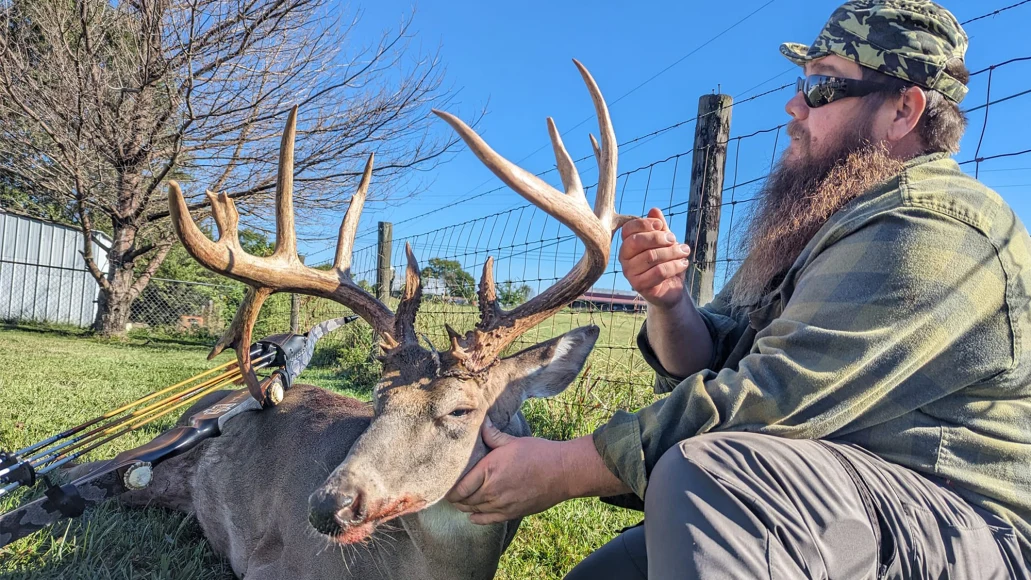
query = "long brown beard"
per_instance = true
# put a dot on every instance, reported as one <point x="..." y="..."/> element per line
<point x="797" y="199"/>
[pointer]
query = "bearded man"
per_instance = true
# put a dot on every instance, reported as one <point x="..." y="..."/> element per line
<point x="856" y="402"/>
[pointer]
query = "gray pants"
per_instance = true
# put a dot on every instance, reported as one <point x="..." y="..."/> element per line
<point x="743" y="506"/>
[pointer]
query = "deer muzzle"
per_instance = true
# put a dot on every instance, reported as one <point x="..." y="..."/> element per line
<point x="332" y="512"/>
<point x="348" y="513"/>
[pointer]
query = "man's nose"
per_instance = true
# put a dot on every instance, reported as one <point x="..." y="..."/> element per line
<point x="796" y="107"/>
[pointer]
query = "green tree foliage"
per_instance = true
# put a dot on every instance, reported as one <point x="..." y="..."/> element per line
<point x="14" y="197"/>
<point x="458" y="282"/>
<point x="510" y="294"/>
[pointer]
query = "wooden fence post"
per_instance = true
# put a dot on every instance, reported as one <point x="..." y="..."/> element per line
<point x="384" y="273"/>
<point x="295" y="308"/>
<point x="708" y="164"/>
<point x="295" y="312"/>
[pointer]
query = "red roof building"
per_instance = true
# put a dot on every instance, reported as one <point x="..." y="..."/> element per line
<point x="614" y="300"/>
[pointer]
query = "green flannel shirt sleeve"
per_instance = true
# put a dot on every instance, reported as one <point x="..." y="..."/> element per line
<point x="873" y="305"/>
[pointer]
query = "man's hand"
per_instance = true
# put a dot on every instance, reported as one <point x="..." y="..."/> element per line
<point x="652" y="260"/>
<point x="521" y="476"/>
<point x="527" y="475"/>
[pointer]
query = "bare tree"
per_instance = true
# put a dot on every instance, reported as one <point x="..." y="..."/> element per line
<point x="101" y="103"/>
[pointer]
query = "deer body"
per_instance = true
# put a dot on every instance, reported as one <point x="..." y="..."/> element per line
<point x="322" y="486"/>
<point x="249" y="490"/>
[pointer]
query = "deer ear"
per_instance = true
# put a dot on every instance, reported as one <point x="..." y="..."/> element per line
<point x="546" y="369"/>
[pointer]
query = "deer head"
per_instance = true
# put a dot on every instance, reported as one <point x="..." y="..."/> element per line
<point x="428" y="405"/>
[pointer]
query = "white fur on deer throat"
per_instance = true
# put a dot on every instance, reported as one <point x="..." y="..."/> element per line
<point x="441" y="521"/>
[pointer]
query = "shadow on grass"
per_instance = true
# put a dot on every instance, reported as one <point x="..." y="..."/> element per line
<point x="132" y="339"/>
<point x="60" y="330"/>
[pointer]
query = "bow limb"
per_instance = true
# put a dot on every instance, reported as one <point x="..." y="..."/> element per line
<point x="128" y="470"/>
<point x="109" y="479"/>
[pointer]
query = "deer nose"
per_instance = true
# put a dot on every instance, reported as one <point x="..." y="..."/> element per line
<point x="349" y="510"/>
<point x="329" y="512"/>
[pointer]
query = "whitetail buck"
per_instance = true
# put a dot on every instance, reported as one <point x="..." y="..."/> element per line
<point x="324" y="486"/>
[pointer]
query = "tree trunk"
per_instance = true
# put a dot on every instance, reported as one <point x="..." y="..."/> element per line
<point x="112" y="313"/>
<point x="125" y="285"/>
<point x="115" y="302"/>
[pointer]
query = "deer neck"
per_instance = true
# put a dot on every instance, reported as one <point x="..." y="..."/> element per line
<point x="452" y="546"/>
<point x="441" y="531"/>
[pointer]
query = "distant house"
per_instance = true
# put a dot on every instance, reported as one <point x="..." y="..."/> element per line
<point x="611" y="300"/>
<point x="430" y="286"/>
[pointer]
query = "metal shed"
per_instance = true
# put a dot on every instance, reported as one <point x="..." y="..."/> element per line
<point x="42" y="275"/>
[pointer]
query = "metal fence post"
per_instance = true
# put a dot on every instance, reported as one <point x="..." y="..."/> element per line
<point x="708" y="163"/>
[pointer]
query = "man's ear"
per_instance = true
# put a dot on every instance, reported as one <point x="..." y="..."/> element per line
<point x="546" y="369"/>
<point x="908" y="110"/>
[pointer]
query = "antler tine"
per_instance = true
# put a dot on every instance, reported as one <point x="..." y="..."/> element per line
<point x="607" y="155"/>
<point x="214" y="256"/>
<point x="286" y="235"/>
<point x="488" y="295"/>
<point x="566" y="169"/>
<point x="349" y="227"/>
<point x="239" y="332"/>
<point x="497" y="328"/>
<point x="596" y="148"/>
<point x="226" y="217"/>
<point x="238" y="337"/>
<point x="282" y="271"/>
<point x="404" y="319"/>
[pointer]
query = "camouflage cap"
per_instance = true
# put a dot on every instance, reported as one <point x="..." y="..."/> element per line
<point x="909" y="39"/>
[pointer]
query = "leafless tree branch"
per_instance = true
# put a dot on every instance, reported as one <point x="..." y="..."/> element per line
<point x="101" y="103"/>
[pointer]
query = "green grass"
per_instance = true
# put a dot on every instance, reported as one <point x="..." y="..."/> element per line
<point x="54" y="379"/>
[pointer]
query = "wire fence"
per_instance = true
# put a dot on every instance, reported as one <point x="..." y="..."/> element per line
<point x="531" y="250"/>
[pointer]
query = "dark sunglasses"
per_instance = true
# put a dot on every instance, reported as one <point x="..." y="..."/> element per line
<point x="820" y="90"/>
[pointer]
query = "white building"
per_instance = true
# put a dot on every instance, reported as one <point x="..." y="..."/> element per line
<point x="42" y="274"/>
<point x="430" y="286"/>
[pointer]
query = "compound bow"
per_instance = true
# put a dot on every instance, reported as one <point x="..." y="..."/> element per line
<point x="132" y="469"/>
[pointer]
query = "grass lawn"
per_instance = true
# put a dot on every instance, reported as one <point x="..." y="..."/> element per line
<point x="52" y="380"/>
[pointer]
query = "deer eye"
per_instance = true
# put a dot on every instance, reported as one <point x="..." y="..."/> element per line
<point x="460" y="412"/>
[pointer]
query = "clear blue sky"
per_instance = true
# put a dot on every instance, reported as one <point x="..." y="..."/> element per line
<point x="514" y="57"/>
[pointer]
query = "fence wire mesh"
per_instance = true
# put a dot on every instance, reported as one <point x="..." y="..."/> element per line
<point x="532" y="251"/>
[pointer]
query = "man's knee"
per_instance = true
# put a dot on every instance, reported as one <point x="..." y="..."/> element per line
<point x="624" y="557"/>
<point x="678" y="468"/>
<point x="712" y="454"/>
<point x="706" y="451"/>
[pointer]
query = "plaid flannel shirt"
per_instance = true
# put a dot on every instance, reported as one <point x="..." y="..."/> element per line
<point x="902" y="327"/>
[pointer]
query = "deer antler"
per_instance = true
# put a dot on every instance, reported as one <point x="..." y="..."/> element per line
<point x="283" y="271"/>
<point x="498" y="328"/>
